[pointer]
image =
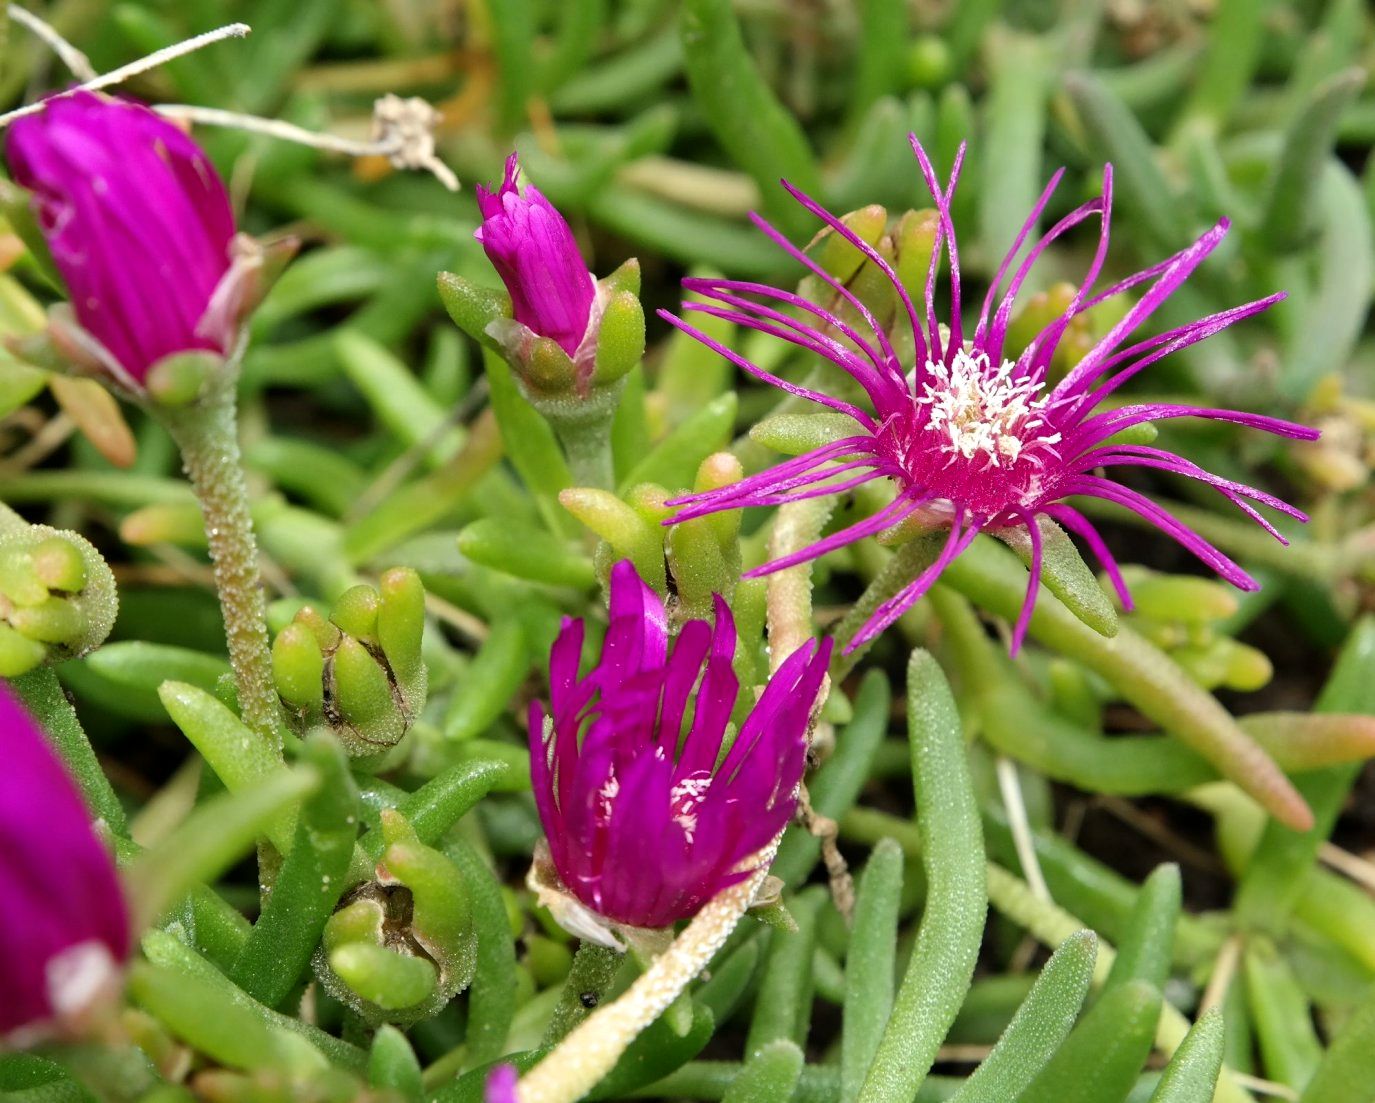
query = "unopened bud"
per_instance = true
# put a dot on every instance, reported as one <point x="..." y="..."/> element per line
<point x="57" y="596"/>
<point x="401" y="946"/>
<point x="358" y="674"/>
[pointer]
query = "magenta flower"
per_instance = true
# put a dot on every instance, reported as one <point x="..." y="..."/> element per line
<point x="971" y="436"/>
<point x="501" y="1085"/>
<point x="138" y="223"/>
<point x="65" y="931"/>
<point x="644" y="825"/>
<point x="534" y="252"/>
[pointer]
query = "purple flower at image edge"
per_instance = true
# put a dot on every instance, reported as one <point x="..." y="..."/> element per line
<point x="66" y="931"/>
<point x="533" y="250"/>
<point x="972" y="438"/>
<point x="643" y="826"/>
<point x="501" y="1085"/>
<point x="138" y="223"/>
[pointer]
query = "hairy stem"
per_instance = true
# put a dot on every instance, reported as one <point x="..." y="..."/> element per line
<point x="206" y="432"/>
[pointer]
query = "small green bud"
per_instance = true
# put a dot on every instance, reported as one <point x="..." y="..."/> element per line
<point x="361" y="693"/>
<point x="473" y="308"/>
<point x="391" y="981"/>
<point x="416" y="913"/>
<point x="621" y="339"/>
<point x="57" y="595"/>
<point x="360" y="673"/>
<point x="626" y="531"/>
<point x="914" y="241"/>
<point x="53" y="620"/>
<point x="18" y="654"/>
<point x="355" y="613"/>
<point x="298" y="668"/>
<point x="58" y="565"/>
<point x="179" y="379"/>
<point x="401" y="622"/>
<point x="838" y="256"/>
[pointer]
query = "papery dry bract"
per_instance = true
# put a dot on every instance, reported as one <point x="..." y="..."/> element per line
<point x="970" y="438"/>
<point x="643" y="826"/>
<point x="65" y="931"/>
<point x="138" y="223"/>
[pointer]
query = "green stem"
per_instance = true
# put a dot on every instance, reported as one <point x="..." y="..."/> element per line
<point x="585" y="434"/>
<point x="593" y="969"/>
<point x="207" y="434"/>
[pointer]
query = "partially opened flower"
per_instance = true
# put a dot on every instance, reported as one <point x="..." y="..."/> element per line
<point x="65" y="931"/>
<point x="649" y="808"/>
<point x="970" y="434"/>
<point x="139" y="226"/>
<point x="534" y="251"/>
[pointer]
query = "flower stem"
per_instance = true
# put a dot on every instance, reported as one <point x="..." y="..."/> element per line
<point x="592" y="1048"/>
<point x="206" y="432"/>
<point x="586" y="440"/>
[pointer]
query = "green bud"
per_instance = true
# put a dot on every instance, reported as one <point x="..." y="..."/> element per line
<point x="57" y="595"/>
<point x="359" y="673"/>
<point x="628" y="534"/>
<point x="355" y="613"/>
<point x="359" y="921"/>
<point x="325" y="633"/>
<point x="914" y="241"/>
<point x="298" y="668"/>
<point x="179" y="379"/>
<point x="473" y="308"/>
<point x="624" y="278"/>
<point x="403" y="944"/>
<point x="621" y="339"/>
<point x="389" y="980"/>
<point x="53" y="620"/>
<point x="839" y="257"/>
<point x="928" y="61"/>
<point x="795" y="434"/>
<point x="1184" y="599"/>
<point x="18" y="654"/>
<point x="401" y="622"/>
<point x="58" y="565"/>
<point x="360" y="690"/>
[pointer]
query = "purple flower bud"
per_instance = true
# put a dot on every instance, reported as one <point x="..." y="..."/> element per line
<point x="534" y="252"/>
<point x="65" y="929"/>
<point x="646" y="821"/>
<point x="138" y="223"/>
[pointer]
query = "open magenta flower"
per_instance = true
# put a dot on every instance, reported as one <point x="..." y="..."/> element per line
<point x="970" y="435"/>
<point x="537" y="257"/>
<point x="644" y="824"/>
<point x="65" y="931"/>
<point x="138" y="223"/>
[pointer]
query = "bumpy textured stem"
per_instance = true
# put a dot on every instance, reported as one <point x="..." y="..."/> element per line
<point x="207" y="434"/>
<point x="592" y="1049"/>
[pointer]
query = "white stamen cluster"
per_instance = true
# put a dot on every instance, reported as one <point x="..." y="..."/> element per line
<point x="683" y="801"/>
<point x="979" y="409"/>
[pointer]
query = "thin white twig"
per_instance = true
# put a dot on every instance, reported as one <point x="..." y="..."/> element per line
<point x="272" y="128"/>
<point x="1011" y="789"/>
<point x="134" y="68"/>
<point x="403" y="132"/>
<point x="72" y="58"/>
